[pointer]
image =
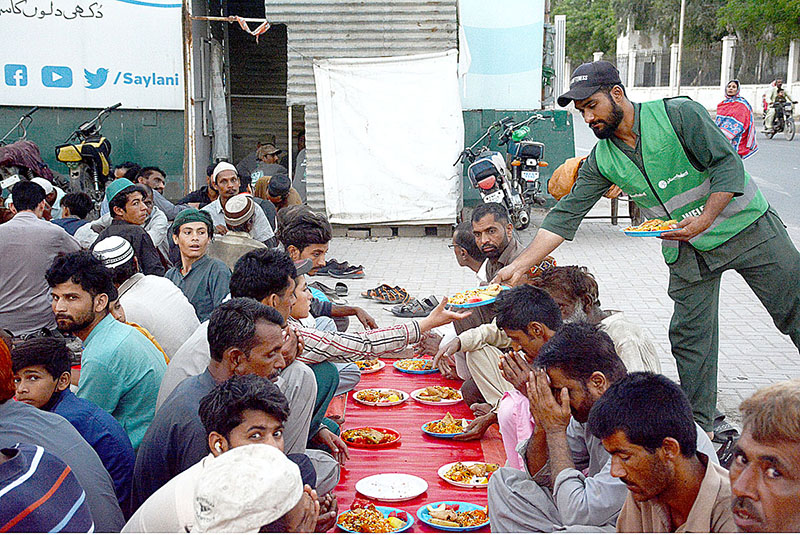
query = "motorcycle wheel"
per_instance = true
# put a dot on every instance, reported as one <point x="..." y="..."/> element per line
<point x="788" y="129"/>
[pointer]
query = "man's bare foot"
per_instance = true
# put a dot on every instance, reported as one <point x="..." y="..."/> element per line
<point x="479" y="409"/>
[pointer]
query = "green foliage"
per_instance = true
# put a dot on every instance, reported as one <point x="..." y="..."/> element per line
<point x="770" y="23"/>
<point x="590" y="28"/>
<point x="663" y="16"/>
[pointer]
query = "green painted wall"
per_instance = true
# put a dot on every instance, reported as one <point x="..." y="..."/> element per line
<point x="555" y="132"/>
<point x="147" y="137"/>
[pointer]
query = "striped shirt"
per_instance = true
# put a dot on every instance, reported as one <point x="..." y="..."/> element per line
<point x="321" y="346"/>
<point x="39" y="493"/>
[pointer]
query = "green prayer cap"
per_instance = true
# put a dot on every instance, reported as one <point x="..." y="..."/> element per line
<point x="193" y="215"/>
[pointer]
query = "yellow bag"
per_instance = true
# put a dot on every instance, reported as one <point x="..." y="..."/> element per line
<point x="564" y="177"/>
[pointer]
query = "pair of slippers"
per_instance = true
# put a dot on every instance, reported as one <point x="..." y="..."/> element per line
<point x="388" y="295"/>
<point x="416" y="308"/>
<point x="335" y="294"/>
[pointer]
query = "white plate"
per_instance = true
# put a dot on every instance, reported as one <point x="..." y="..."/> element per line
<point x="377" y="368"/>
<point x="403" y="397"/>
<point x="392" y="487"/>
<point x="472" y="485"/>
<point x="497" y="196"/>
<point x="416" y="393"/>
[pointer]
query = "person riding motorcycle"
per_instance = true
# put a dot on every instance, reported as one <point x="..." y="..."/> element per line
<point x="776" y="94"/>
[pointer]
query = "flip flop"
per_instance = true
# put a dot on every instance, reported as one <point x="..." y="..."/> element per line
<point x="341" y="289"/>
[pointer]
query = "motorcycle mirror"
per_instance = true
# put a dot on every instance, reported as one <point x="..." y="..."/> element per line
<point x="520" y="133"/>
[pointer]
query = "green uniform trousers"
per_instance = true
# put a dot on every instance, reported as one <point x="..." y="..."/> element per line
<point x="327" y="377"/>
<point x="771" y="269"/>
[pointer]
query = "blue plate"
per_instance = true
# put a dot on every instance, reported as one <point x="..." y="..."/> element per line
<point x="646" y="233"/>
<point x="415" y="372"/>
<point x="425" y="517"/>
<point x="480" y="303"/>
<point x="440" y="435"/>
<point x="385" y="511"/>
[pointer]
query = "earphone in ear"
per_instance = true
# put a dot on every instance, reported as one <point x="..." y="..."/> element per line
<point x="218" y="447"/>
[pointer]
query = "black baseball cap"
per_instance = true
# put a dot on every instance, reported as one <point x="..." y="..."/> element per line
<point x="587" y="79"/>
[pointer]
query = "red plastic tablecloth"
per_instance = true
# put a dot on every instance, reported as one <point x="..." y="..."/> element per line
<point x="418" y="454"/>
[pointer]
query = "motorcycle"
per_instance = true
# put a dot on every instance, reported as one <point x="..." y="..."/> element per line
<point x="21" y="159"/>
<point x="783" y="120"/>
<point x="86" y="153"/>
<point x="511" y="180"/>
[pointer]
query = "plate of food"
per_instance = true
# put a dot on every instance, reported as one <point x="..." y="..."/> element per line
<point x="370" y="366"/>
<point x="391" y="487"/>
<point x="380" y="397"/>
<point x="454" y="516"/>
<point x="476" y="297"/>
<point x="371" y="437"/>
<point x="468" y="474"/>
<point x="437" y="395"/>
<point x="416" y="366"/>
<point x="651" y="227"/>
<point x="370" y="518"/>
<point x="447" y="427"/>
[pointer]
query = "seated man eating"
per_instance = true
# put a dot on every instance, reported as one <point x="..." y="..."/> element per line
<point x="646" y="424"/>
<point x="566" y="483"/>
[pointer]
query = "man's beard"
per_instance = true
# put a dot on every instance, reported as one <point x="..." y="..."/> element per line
<point x="578" y="314"/>
<point x="495" y="252"/>
<point x="613" y="122"/>
<point x="69" y="324"/>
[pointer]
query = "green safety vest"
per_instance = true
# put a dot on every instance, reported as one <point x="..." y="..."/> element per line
<point x="671" y="187"/>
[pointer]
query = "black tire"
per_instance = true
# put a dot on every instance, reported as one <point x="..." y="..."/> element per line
<point x="788" y="129"/>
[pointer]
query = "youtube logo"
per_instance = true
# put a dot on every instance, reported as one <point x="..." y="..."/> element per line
<point x="56" y="76"/>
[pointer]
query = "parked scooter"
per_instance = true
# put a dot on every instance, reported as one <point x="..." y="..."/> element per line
<point x="489" y="172"/>
<point x="783" y="120"/>
<point x="86" y="153"/>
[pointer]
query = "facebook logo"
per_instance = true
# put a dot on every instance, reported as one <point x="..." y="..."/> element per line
<point x="16" y="75"/>
<point x="56" y="76"/>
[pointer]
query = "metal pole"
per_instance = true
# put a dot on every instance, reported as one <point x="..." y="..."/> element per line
<point x="680" y="46"/>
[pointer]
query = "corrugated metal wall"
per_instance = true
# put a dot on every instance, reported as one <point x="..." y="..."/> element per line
<point x="352" y="29"/>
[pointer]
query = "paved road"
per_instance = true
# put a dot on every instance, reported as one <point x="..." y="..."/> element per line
<point x="776" y="168"/>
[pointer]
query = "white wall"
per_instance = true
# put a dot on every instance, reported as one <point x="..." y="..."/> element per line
<point x="708" y="96"/>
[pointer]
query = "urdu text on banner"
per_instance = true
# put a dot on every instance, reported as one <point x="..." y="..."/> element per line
<point x="92" y="53"/>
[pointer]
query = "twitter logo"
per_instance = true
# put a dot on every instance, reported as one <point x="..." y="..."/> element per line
<point x="95" y="80"/>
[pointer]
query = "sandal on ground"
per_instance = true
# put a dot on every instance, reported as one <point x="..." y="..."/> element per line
<point x="340" y="290"/>
<point x="412" y="309"/>
<point x="395" y="296"/>
<point x="374" y="293"/>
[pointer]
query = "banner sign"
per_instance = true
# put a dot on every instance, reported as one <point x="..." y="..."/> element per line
<point x="92" y="53"/>
<point x="502" y="44"/>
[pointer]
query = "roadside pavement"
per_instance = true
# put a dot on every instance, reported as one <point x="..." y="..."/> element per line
<point x="632" y="277"/>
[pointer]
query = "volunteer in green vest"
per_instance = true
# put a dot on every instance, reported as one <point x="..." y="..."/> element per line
<point x="670" y="158"/>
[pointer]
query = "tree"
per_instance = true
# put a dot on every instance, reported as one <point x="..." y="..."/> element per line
<point x="770" y="24"/>
<point x="663" y="16"/>
<point x="591" y="28"/>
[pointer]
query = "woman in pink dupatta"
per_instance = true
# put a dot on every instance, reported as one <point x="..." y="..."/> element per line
<point x="735" y="119"/>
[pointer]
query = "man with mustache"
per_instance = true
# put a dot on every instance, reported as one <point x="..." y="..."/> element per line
<point x="674" y="483"/>
<point x="674" y="162"/>
<point x="493" y="234"/>
<point x="566" y="482"/>
<point x="765" y="474"/>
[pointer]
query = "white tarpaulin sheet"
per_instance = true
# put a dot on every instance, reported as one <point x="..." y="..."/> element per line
<point x="390" y="130"/>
